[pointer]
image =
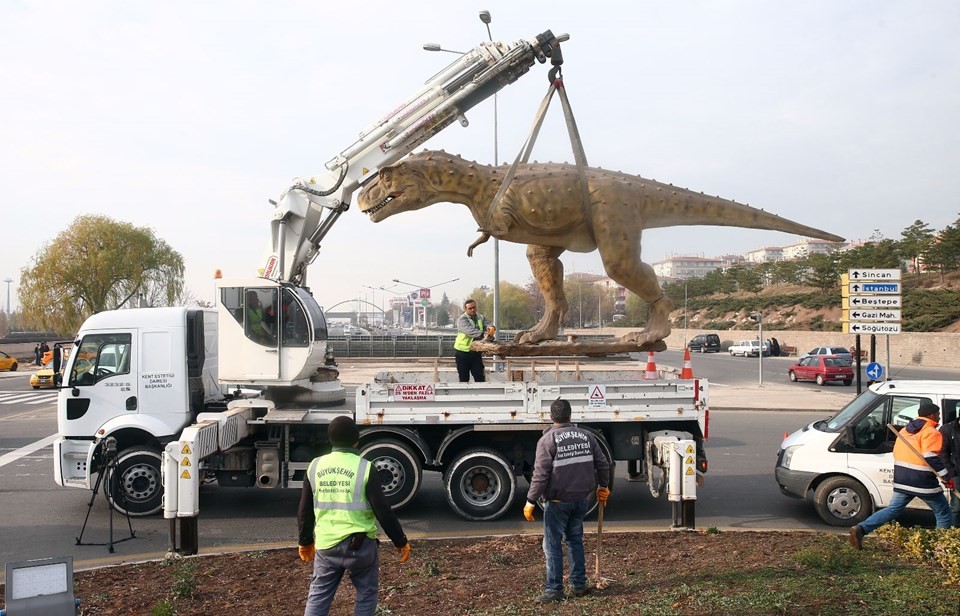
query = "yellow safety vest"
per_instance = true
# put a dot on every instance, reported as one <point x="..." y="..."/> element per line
<point x="340" y="505"/>
<point x="462" y="343"/>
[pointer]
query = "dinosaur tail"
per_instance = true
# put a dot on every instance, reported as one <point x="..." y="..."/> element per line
<point x="668" y="206"/>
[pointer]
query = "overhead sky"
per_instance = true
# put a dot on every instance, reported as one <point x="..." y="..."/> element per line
<point x="187" y="117"/>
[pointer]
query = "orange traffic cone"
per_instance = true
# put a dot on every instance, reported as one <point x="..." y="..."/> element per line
<point x="651" y="374"/>
<point x="687" y="372"/>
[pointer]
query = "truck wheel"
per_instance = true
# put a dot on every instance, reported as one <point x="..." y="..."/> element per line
<point x="480" y="485"/>
<point x="842" y="501"/>
<point x="398" y="470"/>
<point x="134" y="487"/>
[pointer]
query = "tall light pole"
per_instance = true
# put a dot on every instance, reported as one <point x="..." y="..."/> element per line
<point x="8" y="281"/>
<point x="486" y="19"/>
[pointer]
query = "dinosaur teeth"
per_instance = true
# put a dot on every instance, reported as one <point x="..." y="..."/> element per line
<point x="380" y="205"/>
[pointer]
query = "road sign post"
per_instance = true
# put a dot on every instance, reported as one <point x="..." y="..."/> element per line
<point x="872" y="303"/>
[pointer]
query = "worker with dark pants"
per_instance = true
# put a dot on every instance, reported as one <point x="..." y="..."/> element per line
<point x="950" y="454"/>
<point x="471" y="326"/>
<point x="340" y="504"/>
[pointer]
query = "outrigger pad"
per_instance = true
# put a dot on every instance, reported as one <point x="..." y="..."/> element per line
<point x="591" y="348"/>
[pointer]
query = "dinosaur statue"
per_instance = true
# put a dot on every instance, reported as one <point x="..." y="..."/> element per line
<point x="544" y="207"/>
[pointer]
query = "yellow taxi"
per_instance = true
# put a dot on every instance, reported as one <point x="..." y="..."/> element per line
<point x="7" y="362"/>
<point x="44" y="376"/>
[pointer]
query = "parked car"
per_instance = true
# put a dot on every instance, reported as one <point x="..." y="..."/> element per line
<point x="705" y="343"/>
<point x="7" y="362"/>
<point x="749" y="348"/>
<point x="823" y="369"/>
<point x="827" y="350"/>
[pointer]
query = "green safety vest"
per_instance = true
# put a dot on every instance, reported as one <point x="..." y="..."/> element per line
<point x="462" y="343"/>
<point x="340" y="504"/>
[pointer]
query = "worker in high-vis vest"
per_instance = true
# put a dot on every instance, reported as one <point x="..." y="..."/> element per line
<point x="340" y="505"/>
<point x="471" y="326"/>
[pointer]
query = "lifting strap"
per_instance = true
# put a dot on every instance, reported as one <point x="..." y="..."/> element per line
<point x="556" y="86"/>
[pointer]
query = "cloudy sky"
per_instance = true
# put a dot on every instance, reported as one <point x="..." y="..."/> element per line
<point x="188" y="116"/>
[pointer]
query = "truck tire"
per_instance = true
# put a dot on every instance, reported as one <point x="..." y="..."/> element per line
<point x="609" y="455"/>
<point x="398" y="469"/>
<point x="134" y="487"/>
<point x="480" y="485"/>
<point x="842" y="501"/>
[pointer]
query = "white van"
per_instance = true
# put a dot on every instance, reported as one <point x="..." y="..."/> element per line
<point x="846" y="461"/>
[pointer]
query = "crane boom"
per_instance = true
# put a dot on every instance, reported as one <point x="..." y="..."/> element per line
<point x="308" y="209"/>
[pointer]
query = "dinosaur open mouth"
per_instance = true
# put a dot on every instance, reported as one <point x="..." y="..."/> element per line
<point x="382" y="204"/>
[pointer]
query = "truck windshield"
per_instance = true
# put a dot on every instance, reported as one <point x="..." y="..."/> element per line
<point x="850" y="412"/>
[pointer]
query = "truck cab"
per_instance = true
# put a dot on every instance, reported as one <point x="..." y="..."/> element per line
<point x="846" y="461"/>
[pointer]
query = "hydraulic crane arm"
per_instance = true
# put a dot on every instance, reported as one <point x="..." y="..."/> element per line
<point x="309" y="208"/>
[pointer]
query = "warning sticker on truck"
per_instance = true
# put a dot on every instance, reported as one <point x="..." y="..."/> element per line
<point x="414" y="391"/>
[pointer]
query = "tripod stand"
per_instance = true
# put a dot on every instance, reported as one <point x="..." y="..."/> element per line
<point x="108" y="451"/>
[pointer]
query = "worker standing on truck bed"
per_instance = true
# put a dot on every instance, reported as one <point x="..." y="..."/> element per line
<point x="339" y="508"/>
<point x="568" y="468"/>
<point x="471" y="326"/>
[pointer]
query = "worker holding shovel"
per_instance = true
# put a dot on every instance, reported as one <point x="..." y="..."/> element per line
<point x="917" y="473"/>
<point x="569" y="467"/>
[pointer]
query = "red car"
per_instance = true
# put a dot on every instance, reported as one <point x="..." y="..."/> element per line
<point x="823" y="368"/>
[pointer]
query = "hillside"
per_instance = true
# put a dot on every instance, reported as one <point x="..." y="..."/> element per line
<point x="929" y="304"/>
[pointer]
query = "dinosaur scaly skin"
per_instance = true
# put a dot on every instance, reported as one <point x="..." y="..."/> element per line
<point x="544" y="208"/>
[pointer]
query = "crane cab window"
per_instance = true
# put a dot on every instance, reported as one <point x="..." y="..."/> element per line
<point x="256" y="310"/>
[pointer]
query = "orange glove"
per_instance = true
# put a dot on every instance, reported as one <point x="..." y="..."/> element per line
<point x="307" y="552"/>
<point x="404" y="552"/>
<point x="528" y="511"/>
<point x="602" y="495"/>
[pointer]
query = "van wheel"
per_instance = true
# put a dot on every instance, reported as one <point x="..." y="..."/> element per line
<point x="397" y="468"/>
<point x="480" y="485"/>
<point x="842" y="501"/>
<point x="134" y="487"/>
<point x="793" y="376"/>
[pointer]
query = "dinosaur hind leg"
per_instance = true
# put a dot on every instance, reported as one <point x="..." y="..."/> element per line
<point x="621" y="260"/>
<point x="547" y="270"/>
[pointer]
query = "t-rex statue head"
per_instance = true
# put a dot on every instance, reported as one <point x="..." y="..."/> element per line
<point x="404" y="187"/>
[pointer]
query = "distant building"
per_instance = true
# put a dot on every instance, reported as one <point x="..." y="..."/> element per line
<point x="619" y="294"/>
<point x="809" y="246"/>
<point x="683" y="267"/>
<point x="767" y="254"/>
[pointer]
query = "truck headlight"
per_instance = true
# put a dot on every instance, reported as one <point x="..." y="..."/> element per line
<point x="788" y="455"/>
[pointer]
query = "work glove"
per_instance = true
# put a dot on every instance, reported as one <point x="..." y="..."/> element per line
<point x="491" y="330"/>
<point x="528" y="511"/>
<point x="949" y="484"/>
<point x="602" y="495"/>
<point x="307" y="552"/>
<point x="404" y="552"/>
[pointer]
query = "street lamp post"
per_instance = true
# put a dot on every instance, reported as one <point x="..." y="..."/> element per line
<point x="486" y="19"/>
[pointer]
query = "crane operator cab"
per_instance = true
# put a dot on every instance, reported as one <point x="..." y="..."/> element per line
<point x="273" y="334"/>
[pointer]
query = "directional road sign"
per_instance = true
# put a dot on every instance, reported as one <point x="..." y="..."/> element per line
<point x="874" y="371"/>
<point x="871" y="315"/>
<point x="874" y="274"/>
<point x="870" y="328"/>
<point x="872" y="301"/>
<point x="877" y="288"/>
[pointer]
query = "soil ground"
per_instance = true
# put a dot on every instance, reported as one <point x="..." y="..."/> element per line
<point x="651" y="573"/>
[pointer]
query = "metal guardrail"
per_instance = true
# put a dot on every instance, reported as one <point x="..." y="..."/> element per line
<point x="407" y="346"/>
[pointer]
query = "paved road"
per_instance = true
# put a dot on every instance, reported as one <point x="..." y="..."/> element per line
<point x="39" y="519"/>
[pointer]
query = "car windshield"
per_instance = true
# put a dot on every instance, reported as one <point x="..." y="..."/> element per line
<point x="849" y="412"/>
